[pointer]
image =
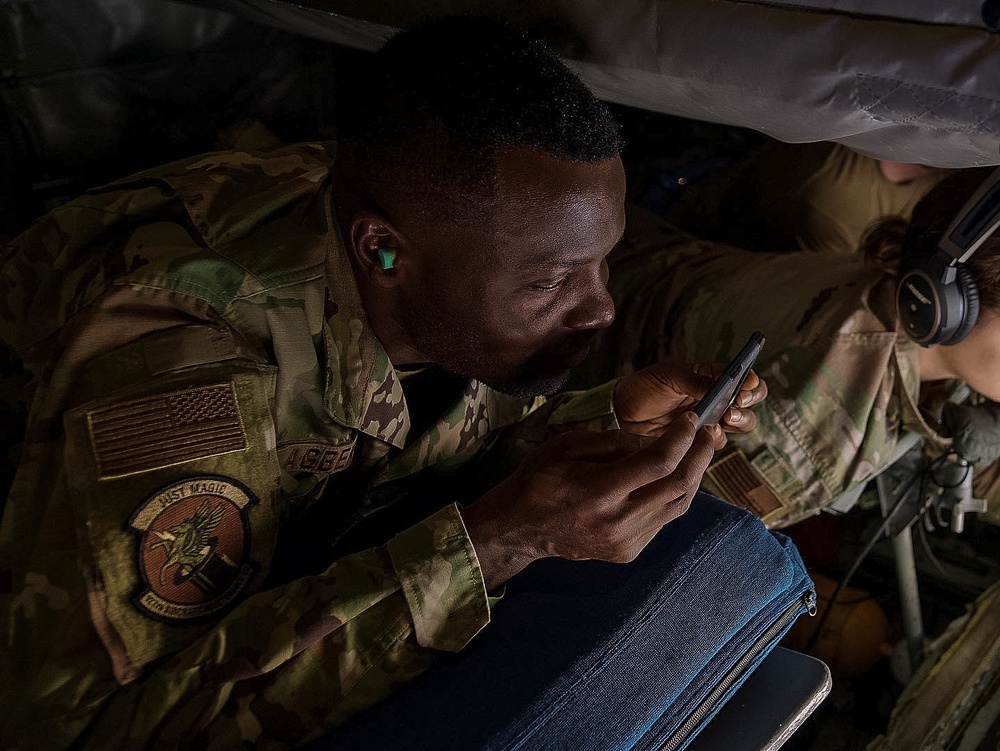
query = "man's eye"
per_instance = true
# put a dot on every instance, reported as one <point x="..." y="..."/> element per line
<point x="548" y="286"/>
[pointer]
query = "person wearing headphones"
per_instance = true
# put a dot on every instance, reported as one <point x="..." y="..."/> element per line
<point x="858" y="349"/>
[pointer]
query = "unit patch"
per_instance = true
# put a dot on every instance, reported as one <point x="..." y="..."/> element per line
<point x="194" y="547"/>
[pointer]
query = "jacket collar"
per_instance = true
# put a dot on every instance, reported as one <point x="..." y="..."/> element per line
<point x="364" y="392"/>
<point x="362" y="389"/>
<point x="912" y="416"/>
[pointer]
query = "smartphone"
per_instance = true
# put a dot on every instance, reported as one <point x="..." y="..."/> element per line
<point x="722" y="394"/>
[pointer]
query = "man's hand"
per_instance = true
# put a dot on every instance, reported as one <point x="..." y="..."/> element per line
<point x="647" y="401"/>
<point x="584" y="495"/>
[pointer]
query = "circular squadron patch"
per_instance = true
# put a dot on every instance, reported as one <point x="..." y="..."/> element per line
<point x="194" y="547"/>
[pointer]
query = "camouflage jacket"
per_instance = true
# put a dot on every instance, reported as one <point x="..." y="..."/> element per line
<point x="201" y="375"/>
<point x="842" y="383"/>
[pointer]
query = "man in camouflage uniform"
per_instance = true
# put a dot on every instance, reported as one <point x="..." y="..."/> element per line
<point x="843" y="380"/>
<point x="230" y="351"/>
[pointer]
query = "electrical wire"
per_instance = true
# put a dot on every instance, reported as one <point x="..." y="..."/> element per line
<point x="935" y="561"/>
<point x="882" y="528"/>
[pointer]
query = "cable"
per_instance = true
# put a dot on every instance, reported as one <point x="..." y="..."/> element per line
<point x="935" y="561"/>
<point x="922" y="476"/>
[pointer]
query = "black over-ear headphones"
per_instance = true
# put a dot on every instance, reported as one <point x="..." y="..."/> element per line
<point x="938" y="301"/>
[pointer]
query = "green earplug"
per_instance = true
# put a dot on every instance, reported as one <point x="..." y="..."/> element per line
<point x="388" y="256"/>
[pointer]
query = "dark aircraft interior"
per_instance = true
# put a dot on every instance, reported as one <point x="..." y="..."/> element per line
<point x="96" y="89"/>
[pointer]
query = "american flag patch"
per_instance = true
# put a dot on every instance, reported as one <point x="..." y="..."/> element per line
<point x="737" y="482"/>
<point x="166" y="429"/>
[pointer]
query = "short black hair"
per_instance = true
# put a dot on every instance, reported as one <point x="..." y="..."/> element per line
<point x="428" y="114"/>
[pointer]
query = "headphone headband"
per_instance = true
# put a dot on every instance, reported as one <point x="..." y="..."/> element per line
<point x="978" y="219"/>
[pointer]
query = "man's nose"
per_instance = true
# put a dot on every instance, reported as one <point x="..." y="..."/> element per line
<point x="595" y="311"/>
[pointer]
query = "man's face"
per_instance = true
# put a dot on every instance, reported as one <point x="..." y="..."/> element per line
<point x="515" y="300"/>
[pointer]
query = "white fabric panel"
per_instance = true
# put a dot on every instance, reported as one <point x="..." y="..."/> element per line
<point x="893" y="89"/>
<point x="923" y="86"/>
<point x="338" y="28"/>
<point x="980" y="13"/>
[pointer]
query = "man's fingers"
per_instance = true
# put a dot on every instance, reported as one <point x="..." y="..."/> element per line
<point x="738" y="420"/>
<point x="718" y="436"/>
<point x="753" y="391"/>
<point x="672" y="380"/>
<point x="662" y="496"/>
<point x="694" y="379"/>
<point x="657" y="459"/>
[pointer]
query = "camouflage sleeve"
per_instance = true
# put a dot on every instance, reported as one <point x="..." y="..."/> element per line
<point x="291" y="662"/>
<point x="592" y="409"/>
<point x="135" y="547"/>
<point x="834" y="365"/>
<point x="138" y="538"/>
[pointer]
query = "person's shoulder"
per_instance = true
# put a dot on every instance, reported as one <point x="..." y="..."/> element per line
<point x="286" y="161"/>
<point x="215" y="227"/>
<point x="225" y="193"/>
<point x="260" y="218"/>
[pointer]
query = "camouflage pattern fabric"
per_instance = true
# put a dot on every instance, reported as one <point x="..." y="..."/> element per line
<point x="200" y="374"/>
<point x="821" y="198"/>
<point x="841" y="382"/>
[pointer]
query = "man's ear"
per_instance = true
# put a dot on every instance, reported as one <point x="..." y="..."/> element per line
<point x="377" y="247"/>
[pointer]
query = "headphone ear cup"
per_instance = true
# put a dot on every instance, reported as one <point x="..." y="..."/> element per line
<point x="969" y="291"/>
<point x="921" y="304"/>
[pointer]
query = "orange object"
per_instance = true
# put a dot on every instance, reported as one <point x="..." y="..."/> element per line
<point x="855" y="635"/>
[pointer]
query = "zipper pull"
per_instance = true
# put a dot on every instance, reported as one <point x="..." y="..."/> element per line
<point x="809" y="598"/>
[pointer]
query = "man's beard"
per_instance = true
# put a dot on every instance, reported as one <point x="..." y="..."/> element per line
<point x="526" y="382"/>
<point x="541" y="375"/>
<point x="531" y="385"/>
<point x="460" y="351"/>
